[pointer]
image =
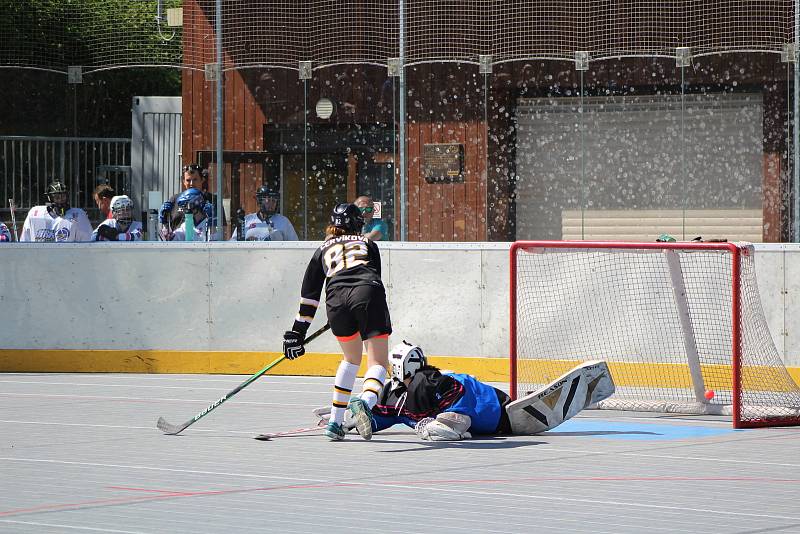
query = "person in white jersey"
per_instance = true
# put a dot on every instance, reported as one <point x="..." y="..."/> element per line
<point x="193" y="202"/>
<point x="120" y="226"/>
<point x="56" y="221"/>
<point x="266" y="224"/>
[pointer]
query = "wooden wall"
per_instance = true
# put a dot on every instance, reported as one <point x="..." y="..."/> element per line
<point x="445" y="104"/>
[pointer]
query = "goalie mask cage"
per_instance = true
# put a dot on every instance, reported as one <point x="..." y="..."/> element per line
<point x="673" y="321"/>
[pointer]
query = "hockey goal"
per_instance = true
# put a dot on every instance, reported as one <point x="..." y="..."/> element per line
<point x="680" y="325"/>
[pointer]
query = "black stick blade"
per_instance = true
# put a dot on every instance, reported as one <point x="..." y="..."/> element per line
<point x="167" y="428"/>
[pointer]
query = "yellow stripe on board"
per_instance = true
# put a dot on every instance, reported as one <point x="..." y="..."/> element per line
<point x="322" y="364"/>
<point x="668" y="375"/>
<point x="178" y="362"/>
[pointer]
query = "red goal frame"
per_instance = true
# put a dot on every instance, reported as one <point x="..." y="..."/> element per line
<point x="736" y="252"/>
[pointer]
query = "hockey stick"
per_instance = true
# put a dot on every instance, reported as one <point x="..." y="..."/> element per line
<point x="13" y="219"/>
<point x="240" y="224"/>
<point x="167" y="428"/>
<point x="269" y="435"/>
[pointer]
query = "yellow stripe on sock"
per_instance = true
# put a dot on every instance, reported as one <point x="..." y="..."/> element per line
<point x="366" y="380"/>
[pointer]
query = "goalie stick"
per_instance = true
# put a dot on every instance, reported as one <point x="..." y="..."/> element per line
<point x="170" y="429"/>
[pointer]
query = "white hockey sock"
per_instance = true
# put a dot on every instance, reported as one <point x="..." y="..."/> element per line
<point x="373" y="382"/>
<point x="342" y="389"/>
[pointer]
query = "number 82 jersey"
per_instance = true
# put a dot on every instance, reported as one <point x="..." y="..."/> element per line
<point x="347" y="260"/>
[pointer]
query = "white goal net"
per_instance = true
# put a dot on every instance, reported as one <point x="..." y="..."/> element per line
<point x="680" y="324"/>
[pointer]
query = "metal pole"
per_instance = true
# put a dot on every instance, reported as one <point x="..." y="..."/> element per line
<point x="796" y="143"/>
<point x="403" y="226"/>
<point x="220" y="156"/>
<point x="584" y="186"/>
<point x="305" y="159"/>
<point x="684" y="193"/>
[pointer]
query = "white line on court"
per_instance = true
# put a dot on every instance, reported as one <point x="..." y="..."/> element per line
<point x="59" y="525"/>
<point x="220" y="388"/>
<point x="442" y="489"/>
<point x="153" y="427"/>
<point x="145" y="399"/>
<point x="167" y="469"/>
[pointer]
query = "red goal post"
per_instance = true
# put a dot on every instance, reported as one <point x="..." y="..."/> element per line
<point x="676" y="322"/>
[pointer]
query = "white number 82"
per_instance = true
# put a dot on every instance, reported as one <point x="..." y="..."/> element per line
<point x="345" y="255"/>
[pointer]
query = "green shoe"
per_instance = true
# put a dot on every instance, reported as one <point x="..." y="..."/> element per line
<point x="362" y="417"/>
<point x="334" y="431"/>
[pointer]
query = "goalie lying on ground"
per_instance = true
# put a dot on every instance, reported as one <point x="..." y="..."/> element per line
<point x="452" y="406"/>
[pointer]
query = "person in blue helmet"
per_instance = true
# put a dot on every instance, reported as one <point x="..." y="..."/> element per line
<point x="192" y="203"/>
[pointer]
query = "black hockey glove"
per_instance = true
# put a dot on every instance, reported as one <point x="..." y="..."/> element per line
<point x="112" y="234"/>
<point x="293" y="344"/>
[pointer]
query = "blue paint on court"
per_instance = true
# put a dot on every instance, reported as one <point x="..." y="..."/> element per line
<point x="636" y="431"/>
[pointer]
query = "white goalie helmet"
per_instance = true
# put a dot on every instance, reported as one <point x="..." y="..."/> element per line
<point x="406" y="359"/>
<point x="122" y="209"/>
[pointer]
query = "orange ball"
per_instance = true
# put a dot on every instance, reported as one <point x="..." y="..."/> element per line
<point x="709" y="394"/>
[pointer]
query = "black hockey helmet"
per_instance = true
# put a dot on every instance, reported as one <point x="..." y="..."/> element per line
<point x="347" y="217"/>
<point x="266" y="191"/>
<point x="263" y="195"/>
<point x="55" y="187"/>
<point x="58" y="195"/>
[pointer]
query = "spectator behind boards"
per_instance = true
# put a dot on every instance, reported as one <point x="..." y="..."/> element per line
<point x="194" y="176"/>
<point x="266" y="224"/>
<point x="196" y="213"/>
<point x="56" y="221"/>
<point x="120" y="226"/>
<point x="374" y="229"/>
<point x="103" y="194"/>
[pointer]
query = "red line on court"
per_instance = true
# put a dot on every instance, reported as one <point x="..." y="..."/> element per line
<point x="170" y="494"/>
<point x="163" y="494"/>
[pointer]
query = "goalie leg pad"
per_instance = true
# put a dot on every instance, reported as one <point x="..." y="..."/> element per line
<point x="448" y="426"/>
<point x="562" y="399"/>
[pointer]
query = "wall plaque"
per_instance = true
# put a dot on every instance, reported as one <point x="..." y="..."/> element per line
<point x="443" y="163"/>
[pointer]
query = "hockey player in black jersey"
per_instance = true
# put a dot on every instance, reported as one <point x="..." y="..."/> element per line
<point x="349" y="266"/>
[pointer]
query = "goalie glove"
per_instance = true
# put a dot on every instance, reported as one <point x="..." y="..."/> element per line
<point x="112" y="234"/>
<point x="448" y="426"/>
<point x="293" y="344"/>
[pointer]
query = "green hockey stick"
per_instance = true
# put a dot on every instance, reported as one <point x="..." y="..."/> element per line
<point x="167" y="428"/>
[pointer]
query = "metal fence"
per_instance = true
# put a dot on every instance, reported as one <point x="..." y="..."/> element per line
<point x="29" y="164"/>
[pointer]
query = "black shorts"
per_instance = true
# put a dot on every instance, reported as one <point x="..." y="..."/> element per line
<point x="358" y="310"/>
